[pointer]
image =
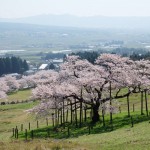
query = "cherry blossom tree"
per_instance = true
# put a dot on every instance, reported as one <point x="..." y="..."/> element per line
<point x="12" y="83"/>
<point x="84" y="84"/>
<point x="3" y="85"/>
<point x="4" y="88"/>
<point x="3" y="95"/>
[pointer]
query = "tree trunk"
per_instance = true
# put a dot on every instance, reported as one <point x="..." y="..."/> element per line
<point x="95" y="117"/>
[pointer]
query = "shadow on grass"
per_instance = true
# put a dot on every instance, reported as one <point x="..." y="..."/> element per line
<point x="70" y="130"/>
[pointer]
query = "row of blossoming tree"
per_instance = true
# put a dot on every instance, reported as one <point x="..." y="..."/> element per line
<point x="80" y="85"/>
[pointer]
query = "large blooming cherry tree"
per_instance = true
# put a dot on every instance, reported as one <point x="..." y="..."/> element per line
<point x="80" y="85"/>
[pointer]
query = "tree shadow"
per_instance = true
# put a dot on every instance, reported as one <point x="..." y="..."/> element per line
<point x="71" y="130"/>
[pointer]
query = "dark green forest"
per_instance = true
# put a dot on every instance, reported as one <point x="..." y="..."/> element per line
<point x="12" y="65"/>
<point x="90" y="56"/>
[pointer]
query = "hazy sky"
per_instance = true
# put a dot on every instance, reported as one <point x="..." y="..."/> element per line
<point x="22" y="8"/>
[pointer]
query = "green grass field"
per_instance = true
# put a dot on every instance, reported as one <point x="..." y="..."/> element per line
<point x="126" y="138"/>
<point x="122" y="137"/>
<point x="18" y="96"/>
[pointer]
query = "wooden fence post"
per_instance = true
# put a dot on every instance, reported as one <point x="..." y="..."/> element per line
<point x="141" y="102"/>
<point x="21" y="127"/>
<point x="56" y="120"/>
<point x="119" y="109"/>
<point x="63" y="111"/>
<point x="68" y="132"/>
<point x="133" y="107"/>
<point x="61" y="116"/>
<point x="103" y="115"/>
<point x="67" y="115"/>
<point x="146" y="105"/>
<point x="128" y="104"/>
<point x="13" y="131"/>
<point x="48" y="132"/>
<point x="91" y="114"/>
<point x="17" y="133"/>
<point x="58" y="116"/>
<point x="47" y="121"/>
<point x="73" y="116"/>
<point x="71" y="111"/>
<point x="80" y="119"/>
<point x="32" y="135"/>
<point x="53" y="119"/>
<point x="132" y="122"/>
<point x="89" y="129"/>
<point x="26" y="134"/>
<point x="112" y="127"/>
<point x="76" y="115"/>
<point x="37" y="124"/>
<point x="29" y="126"/>
<point x="85" y="114"/>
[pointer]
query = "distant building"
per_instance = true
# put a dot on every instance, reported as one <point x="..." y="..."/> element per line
<point x="44" y="67"/>
<point x="51" y="64"/>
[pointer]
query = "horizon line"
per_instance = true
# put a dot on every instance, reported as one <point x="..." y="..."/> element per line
<point x="73" y="15"/>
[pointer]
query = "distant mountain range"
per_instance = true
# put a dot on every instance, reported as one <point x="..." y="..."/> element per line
<point x="89" y="22"/>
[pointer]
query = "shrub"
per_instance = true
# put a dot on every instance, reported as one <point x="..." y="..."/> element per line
<point x="3" y="103"/>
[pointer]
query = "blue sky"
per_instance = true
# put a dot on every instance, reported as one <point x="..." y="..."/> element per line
<point x="23" y="8"/>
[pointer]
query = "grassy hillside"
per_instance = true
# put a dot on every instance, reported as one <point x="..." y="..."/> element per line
<point x="122" y="137"/>
<point x="128" y="138"/>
